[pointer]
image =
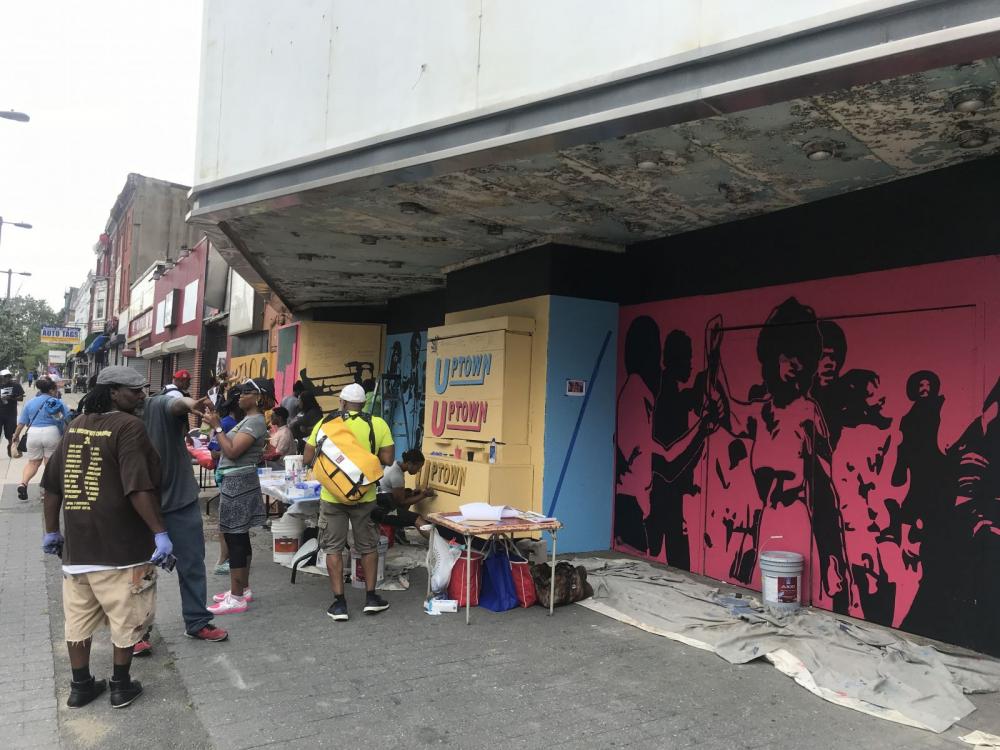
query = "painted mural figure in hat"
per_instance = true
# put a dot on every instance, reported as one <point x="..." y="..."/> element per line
<point x="791" y="455"/>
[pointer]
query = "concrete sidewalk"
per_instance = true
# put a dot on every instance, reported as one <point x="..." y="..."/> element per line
<point x="399" y="679"/>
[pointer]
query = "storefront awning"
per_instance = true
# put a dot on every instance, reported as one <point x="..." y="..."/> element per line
<point x="151" y="352"/>
<point x="181" y="344"/>
<point x="96" y="344"/>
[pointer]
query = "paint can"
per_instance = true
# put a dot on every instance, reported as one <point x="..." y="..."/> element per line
<point x="357" y="571"/>
<point x="781" y="580"/>
<point x="286" y="535"/>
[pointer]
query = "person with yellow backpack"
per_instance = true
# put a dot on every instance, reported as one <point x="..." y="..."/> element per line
<point x="348" y="450"/>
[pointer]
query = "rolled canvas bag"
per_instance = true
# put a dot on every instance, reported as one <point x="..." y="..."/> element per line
<point x="571" y="583"/>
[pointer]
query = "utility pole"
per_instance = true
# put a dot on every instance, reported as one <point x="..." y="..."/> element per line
<point x="10" y="273"/>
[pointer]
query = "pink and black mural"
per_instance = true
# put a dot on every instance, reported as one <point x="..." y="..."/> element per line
<point x="852" y="420"/>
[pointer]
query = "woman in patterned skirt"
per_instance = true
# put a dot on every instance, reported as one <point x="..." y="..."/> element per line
<point x="241" y="505"/>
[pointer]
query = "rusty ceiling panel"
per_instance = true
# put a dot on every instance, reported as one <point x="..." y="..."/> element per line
<point x="371" y="246"/>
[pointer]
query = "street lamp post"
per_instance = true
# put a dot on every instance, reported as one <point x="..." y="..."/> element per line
<point x="20" y="224"/>
<point x="10" y="273"/>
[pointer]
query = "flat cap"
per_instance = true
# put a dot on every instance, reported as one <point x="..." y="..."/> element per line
<point x="118" y="375"/>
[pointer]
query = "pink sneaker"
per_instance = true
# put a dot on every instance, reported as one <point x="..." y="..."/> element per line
<point x="247" y="595"/>
<point x="230" y="605"/>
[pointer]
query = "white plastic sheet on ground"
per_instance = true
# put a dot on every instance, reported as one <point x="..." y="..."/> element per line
<point x="842" y="661"/>
<point x="399" y="561"/>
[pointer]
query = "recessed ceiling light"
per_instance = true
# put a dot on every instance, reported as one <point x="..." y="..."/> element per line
<point x="969" y="100"/>
<point x="820" y="150"/>
<point x="408" y="207"/>
<point x="647" y="161"/>
<point x="973" y="138"/>
<point x="367" y="239"/>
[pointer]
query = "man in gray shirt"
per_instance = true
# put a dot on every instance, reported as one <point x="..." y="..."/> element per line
<point x="294" y="402"/>
<point x="166" y="417"/>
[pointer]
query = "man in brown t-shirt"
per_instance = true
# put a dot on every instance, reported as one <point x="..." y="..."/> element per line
<point x="105" y="477"/>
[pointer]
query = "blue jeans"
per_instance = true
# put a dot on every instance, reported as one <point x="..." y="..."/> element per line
<point x="185" y="529"/>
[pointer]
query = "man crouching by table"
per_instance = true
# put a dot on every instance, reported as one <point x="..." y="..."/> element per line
<point x="105" y="477"/>
<point x="334" y="514"/>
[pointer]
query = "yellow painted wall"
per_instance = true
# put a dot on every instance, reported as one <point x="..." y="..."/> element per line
<point x="251" y="366"/>
<point x="326" y="349"/>
<point x="536" y="308"/>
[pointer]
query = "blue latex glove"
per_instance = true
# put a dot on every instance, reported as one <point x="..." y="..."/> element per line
<point x="164" y="547"/>
<point x="52" y="543"/>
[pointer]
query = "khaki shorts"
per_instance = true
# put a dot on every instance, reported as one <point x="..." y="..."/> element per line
<point x="333" y="518"/>
<point x="123" y="599"/>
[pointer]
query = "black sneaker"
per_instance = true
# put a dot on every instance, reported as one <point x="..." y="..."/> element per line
<point x="22" y="492"/>
<point x="124" y="692"/>
<point x="82" y="693"/>
<point x="375" y="604"/>
<point x="338" y="610"/>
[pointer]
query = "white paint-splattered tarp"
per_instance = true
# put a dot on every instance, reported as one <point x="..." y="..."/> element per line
<point x="982" y="740"/>
<point x="843" y="661"/>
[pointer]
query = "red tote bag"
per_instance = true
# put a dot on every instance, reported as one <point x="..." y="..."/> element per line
<point x="524" y="586"/>
<point x="456" y="586"/>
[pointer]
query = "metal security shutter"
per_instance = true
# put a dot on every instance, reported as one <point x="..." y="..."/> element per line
<point x="138" y="364"/>
<point x="155" y="375"/>
<point x="185" y="361"/>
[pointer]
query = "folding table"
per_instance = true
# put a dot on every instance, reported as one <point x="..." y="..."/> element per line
<point x="468" y="529"/>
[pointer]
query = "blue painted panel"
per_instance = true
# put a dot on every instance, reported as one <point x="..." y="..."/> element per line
<point x="577" y="331"/>
<point x="404" y="388"/>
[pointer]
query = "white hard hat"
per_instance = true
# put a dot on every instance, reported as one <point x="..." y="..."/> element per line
<point x="353" y="394"/>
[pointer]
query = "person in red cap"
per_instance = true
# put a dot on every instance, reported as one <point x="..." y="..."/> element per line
<point x="179" y="386"/>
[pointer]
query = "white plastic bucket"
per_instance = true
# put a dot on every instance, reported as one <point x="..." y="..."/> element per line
<point x="781" y="580"/>
<point x="286" y="534"/>
<point x="358" y="573"/>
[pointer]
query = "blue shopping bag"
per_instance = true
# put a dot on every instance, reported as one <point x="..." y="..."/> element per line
<point x="497" y="590"/>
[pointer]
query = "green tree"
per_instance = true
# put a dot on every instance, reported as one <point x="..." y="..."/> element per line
<point x="23" y="318"/>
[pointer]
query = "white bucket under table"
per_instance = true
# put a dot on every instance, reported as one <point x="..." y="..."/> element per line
<point x="286" y="535"/>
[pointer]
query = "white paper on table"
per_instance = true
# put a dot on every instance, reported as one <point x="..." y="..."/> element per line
<point x="486" y="512"/>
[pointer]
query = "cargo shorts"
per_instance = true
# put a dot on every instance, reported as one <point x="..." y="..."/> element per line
<point x="332" y="524"/>
<point x="124" y="599"/>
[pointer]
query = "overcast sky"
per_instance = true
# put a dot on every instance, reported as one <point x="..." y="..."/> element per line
<point x="111" y="87"/>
